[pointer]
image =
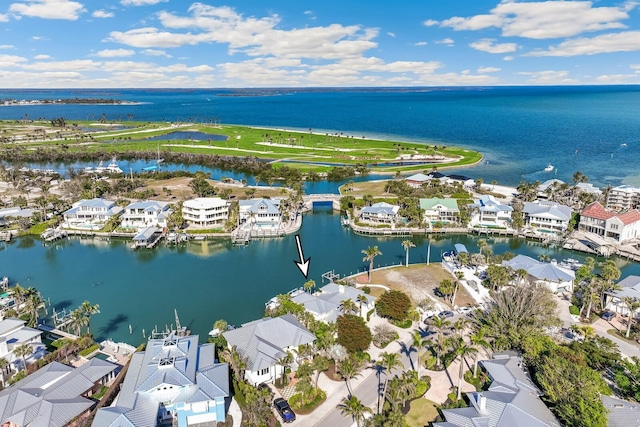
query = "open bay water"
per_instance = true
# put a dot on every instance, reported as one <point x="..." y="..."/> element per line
<point x="208" y="280"/>
<point x="519" y="130"/>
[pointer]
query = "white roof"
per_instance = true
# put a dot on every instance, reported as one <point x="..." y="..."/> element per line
<point x="205" y="203"/>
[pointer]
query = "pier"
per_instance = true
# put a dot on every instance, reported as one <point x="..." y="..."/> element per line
<point x="51" y="235"/>
<point x="5" y="236"/>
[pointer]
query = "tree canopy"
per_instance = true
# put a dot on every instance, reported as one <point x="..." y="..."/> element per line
<point x="353" y="333"/>
<point x="394" y="305"/>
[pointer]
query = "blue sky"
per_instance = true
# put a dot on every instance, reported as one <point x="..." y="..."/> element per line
<point x="281" y="43"/>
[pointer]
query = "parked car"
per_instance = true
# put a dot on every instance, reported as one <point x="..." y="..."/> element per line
<point x="445" y="314"/>
<point x="464" y="310"/>
<point x="285" y="411"/>
<point x="608" y="315"/>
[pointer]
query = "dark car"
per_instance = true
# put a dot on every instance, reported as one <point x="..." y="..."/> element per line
<point x="285" y="411"/>
<point x="445" y="314"/>
<point x="608" y="315"/>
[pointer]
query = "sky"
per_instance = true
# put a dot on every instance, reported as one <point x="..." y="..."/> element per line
<point x="330" y="43"/>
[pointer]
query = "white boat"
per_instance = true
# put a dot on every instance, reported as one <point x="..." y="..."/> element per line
<point x="549" y="168"/>
<point x="100" y="168"/>
<point x="113" y="167"/>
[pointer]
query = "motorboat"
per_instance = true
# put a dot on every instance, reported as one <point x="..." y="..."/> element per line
<point x="100" y="168"/>
<point x="113" y="167"/>
<point x="549" y="168"/>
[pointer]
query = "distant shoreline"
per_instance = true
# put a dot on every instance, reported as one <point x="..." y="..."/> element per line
<point x="77" y="101"/>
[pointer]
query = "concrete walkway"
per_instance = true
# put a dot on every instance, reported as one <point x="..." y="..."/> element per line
<point x="235" y="412"/>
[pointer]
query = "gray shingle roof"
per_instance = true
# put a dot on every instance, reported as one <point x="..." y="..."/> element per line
<point x="621" y="413"/>
<point x="540" y="270"/>
<point x="547" y="210"/>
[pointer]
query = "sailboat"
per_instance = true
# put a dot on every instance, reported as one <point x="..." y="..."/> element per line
<point x="113" y="167"/>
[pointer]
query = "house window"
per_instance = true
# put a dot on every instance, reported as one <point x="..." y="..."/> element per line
<point x="264" y="371"/>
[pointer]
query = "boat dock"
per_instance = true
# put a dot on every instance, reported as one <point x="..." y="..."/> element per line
<point x="5" y="236"/>
<point x="51" y="234"/>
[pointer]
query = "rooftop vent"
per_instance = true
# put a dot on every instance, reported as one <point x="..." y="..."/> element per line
<point x="166" y="361"/>
<point x="169" y="342"/>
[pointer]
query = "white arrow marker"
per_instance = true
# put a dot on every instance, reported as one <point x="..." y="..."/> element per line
<point x="303" y="264"/>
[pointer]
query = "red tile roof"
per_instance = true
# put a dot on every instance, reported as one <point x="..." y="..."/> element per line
<point x="629" y="217"/>
<point x="597" y="211"/>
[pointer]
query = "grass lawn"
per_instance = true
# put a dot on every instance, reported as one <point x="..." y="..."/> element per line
<point x="421" y="413"/>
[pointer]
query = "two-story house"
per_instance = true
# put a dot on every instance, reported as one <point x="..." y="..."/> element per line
<point x="382" y="212"/>
<point x="440" y="210"/>
<point x="90" y="214"/>
<point x="543" y="215"/>
<point x="205" y="211"/>
<point x="488" y="212"/>
<point x="147" y="213"/>
<point x="620" y="227"/>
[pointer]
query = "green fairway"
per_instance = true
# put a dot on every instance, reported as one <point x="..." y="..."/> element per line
<point x="307" y="151"/>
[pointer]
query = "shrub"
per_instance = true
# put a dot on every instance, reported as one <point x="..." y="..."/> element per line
<point x="87" y="351"/>
<point x="394" y="305"/>
<point x="383" y="335"/>
<point x="574" y="310"/>
<point x="353" y="333"/>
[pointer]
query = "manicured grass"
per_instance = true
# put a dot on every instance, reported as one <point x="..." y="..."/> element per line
<point x="421" y="413"/>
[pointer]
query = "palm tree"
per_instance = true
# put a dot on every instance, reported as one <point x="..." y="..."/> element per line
<point x="22" y="351"/>
<point x="4" y="365"/>
<point x="285" y="361"/>
<point x="406" y="244"/>
<point x="352" y="406"/>
<point x="77" y="320"/>
<point x="417" y="343"/>
<point x="462" y="350"/>
<point x="309" y="285"/>
<point x="369" y="255"/>
<point x="349" y="369"/>
<point x="320" y="364"/>
<point x="348" y="306"/>
<point x="32" y="306"/>
<point x="440" y="325"/>
<point x="389" y="361"/>
<point x="478" y="340"/>
<point x="236" y="360"/>
<point x="87" y="311"/>
<point x="362" y="298"/>
<point x="632" y="305"/>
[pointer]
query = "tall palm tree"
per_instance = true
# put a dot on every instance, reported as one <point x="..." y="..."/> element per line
<point x="462" y="350"/>
<point x="236" y="360"/>
<point x="360" y="299"/>
<point x="285" y="361"/>
<point x="349" y="369"/>
<point x="348" y="306"/>
<point x="440" y="325"/>
<point x="406" y="244"/>
<point x="4" y="365"/>
<point x="87" y="311"/>
<point x="77" y="320"/>
<point x="22" y="351"/>
<point x="478" y="340"/>
<point x="309" y="285"/>
<point x="369" y="255"/>
<point x="632" y="305"/>
<point x="389" y="361"/>
<point x="353" y="406"/>
<point x="417" y="342"/>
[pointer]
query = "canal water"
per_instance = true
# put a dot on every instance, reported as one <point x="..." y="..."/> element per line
<point x="209" y="280"/>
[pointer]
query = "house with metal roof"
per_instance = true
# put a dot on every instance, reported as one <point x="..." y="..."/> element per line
<point x="629" y="287"/>
<point x="436" y="209"/>
<point x="9" y="215"/>
<point x="512" y="399"/>
<point x="264" y="341"/>
<point x="205" y="211"/>
<point x="175" y="380"/>
<point x="55" y="394"/>
<point x="619" y="226"/>
<point x="623" y="198"/>
<point x="90" y="214"/>
<point x="146" y="213"/>
<point x="417" y="180"/>
<point x="543" y="216"/>
<point x="380" y="213"/>
<point x="552" y="275"/>
<point x="260" y="211"/>
<point x="325" y="305"/>
<point x="621" y="413"/>
<point x="489" y="212"/>
<point x="13" y="333"/>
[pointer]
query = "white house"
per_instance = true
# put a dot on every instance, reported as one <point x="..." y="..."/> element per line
<point x="380" y="213"/>
<point x="550" y="274"/>
<point x="417" y="180"/>
<point x="620" y="227"/>
<point x="260" y="211"/>
<point x="264" y="342"/>
<point x="90" y="214"/>
<point x="326" y="304"/>
<point x="7" y="215"/>
<point x="147" y="213"/>
<point x="490" y="213"/>
<point x="13" y="333"/>
<point x="440" y="210"/>
<point x="623" y="198"/>
<point x="629" y="288"/>
<point x="546" y="216"/>
<point x="205" y="211"/>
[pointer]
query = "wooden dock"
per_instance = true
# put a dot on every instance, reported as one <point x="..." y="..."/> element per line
<point x="5" y="236"/>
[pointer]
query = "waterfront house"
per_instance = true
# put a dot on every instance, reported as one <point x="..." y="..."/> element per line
<point x="546" y="216"/>
<point x="417" y="180"/>
<point x="205" y="211"/>
<point x="488" y="212"/>
<point x="9" y="215"/>
<point x="440" y="210"/>
<point x="264" y="342"/>
<point x="623" y="198"/>
<point x="550" y="274"/>
<point x="90" y="214"/>
<point x="260" y="212"/>
<point x="380" y="213"/>
<point x="620" y="227"/>
<point x="511" y="400"/>
<point x="629" y="287"/>
<point x="550" y="186"/>
<point x="55" y="395"/>
<point x="175" y="381"/>
<point x="620" y="413"/>
<point x="147" y="213"/>
<point x="14" y="333"/>
<point x="326" y="304"/>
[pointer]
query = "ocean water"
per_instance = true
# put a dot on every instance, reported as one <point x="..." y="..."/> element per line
<point x="519" y="130"/>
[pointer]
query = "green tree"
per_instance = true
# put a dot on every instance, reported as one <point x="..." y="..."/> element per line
<point x="320" y="364"/>
<point x="389" y="361"/>
<point x="406" y="244"/>
<point x="353" y="333"/>
<point x="88" y="310"/>
<point x="478" y="340"/>
<point x="441" y="326"/>
<point x="348" y="306"/>
<point x="353" y="407"/>
<point x="22" y="351"/>
<point x="462" y="350"/>
<point x="369" y="255"/>
<point x="349" y="369"/>
<point x="309" y="285"/>
<point x="394" y="305"/>
<point x="446" y="288"/>
<point x="627" y="378"/>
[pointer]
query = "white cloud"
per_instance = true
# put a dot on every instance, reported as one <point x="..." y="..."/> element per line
<point x="508" y="58"/>
<point x="545" y="19"/>
<point x="618" y="78"/>
<point x="635" y="67"/>
<point x="549" y="77"/>
<point x="74" y="65"/>
<point x="252" y="36"/>
<point x="114" y="53"/>
<point x="446" y="41"/>
<point x="390" y="34"/>
<point x="102" y="14"/>
<point x="430" y="23"/>
<point x="42" y="56"/>
<point x="155" y="52"/>
<point x="628" y="41"/>
<point x="482" y="70"/>
<point x="49" y="9"/>
<point x="420" y="44"/>
<point x="9" y="61"/>
<point x="6" y="46"/>
<point x="487" y="45"/>
<point x="4" y="17"/>
<point x="141" y="2"/>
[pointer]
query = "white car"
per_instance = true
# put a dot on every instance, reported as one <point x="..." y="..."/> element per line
<point x="464" y="310"/>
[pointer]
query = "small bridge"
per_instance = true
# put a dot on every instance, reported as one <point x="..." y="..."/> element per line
<point x="311" y="200"/>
